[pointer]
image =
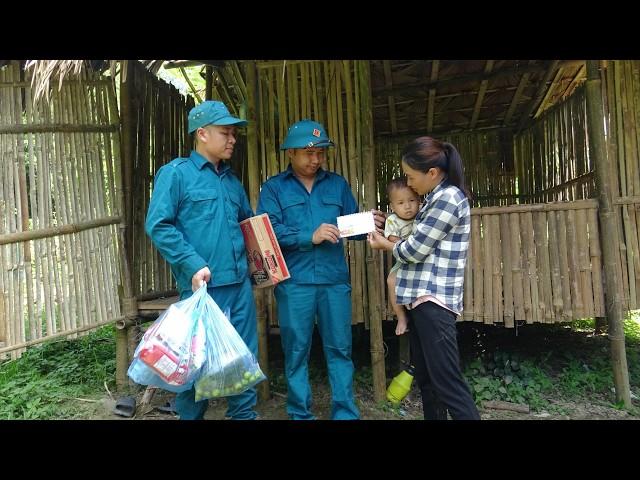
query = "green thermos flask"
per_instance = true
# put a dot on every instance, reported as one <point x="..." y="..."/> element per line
<point x="400" y="385"/>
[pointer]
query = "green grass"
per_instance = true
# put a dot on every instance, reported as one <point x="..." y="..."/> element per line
<point x="546" y="363"/>
<point x="44" y="381"/>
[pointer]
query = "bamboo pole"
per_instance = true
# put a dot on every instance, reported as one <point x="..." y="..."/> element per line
<point x="64" y="278"/>
<point x="37" y="341"/>
<point x="254" y="191"/>
<point x="596" y="262"/>
<point x="531" y="300"/>
<point x="507" y="271"/>
<point x="20" y="237"/>
<point x="23" y="212"/>
<point x="478" y="281"/>
<point x="607" y="219"/>
<point x="498" y="309"/>
<point x="584" y="262"/>
<point x="17" y="261"/>
<point x="539" y="207"/>
<point x="375" y="294"/>
<point x="92" y="191"/>
<point x="4" y="318"/>
<point x="565" y="274"/>
<point x="487" y="239"/>
<point x="41" y="258"/>
<point x="576" y="284"/>
<point x="283" y="120"/>
<point x="544" y="272"/>
<point x="554" y="264"/>
<point x="126" y="227"/>
<point x="468" y="313"/>
<point x="79" y="211"/>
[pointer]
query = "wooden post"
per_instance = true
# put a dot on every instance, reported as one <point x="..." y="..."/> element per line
<point x="126" y="228"/>
<point x="208" y="78"/>
<point x="613" y="294"/>
<point x="376" y="297"/>
<point x="253" y="168"/>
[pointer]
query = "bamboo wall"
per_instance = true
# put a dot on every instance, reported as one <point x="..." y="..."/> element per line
<point x="488" y="165"/>
<point x="161" y="135"/>
<point x="621" y="85"/>
<point x="59" y="164"/>
<point x="534" y="263"/>
<point x="552" y="160"/>
<point x="330" y="92"/>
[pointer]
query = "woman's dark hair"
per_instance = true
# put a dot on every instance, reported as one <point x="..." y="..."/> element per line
<point x="425" y="153"/>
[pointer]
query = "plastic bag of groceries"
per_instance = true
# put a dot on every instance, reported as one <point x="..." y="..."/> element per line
<point x="172" y="352"/>
<point x="230" y="367"/>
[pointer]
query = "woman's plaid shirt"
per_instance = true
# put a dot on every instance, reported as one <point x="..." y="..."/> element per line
<point x="434" y="256"/>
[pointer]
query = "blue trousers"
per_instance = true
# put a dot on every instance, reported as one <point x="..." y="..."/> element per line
<point x="238" y="298"/>
<point x="298" y="305"/>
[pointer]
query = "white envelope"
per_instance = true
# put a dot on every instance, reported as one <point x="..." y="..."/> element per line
<point x="356" y="224"/>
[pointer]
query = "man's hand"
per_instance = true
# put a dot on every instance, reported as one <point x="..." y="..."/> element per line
<point x="326" y="232"/>
<point x="380" y="219"/>
<point x="200" y="277"/>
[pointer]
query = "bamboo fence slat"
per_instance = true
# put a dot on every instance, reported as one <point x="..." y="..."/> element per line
<point x="557" y="304"/>
<point x="478" y="281"/>
<point x="507" y="271"/>
<point x="576" y="283"/>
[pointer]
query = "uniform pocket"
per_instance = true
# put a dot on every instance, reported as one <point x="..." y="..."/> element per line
<point x="202" y="203"/>
<point x="293" y="209"/>
<point x="332" y="208"/>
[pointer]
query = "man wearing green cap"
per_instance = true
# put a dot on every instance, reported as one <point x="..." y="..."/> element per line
<point x="193" y="220"/>
<point x="303" y="203"/>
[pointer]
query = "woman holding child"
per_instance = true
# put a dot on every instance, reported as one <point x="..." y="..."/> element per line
<point x="429" y="280"/>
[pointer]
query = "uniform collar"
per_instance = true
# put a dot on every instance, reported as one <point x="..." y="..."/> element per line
<point x="320" y="174"/>
<point x="200" y="162"/>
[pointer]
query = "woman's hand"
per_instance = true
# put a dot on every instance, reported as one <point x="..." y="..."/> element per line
<point x="378" y="242"/>
<point x="380" y="219"/>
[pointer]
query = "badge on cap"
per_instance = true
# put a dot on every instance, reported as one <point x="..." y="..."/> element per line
<point x="316" y="132"/>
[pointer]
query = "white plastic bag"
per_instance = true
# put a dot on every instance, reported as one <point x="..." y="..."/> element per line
<point x="230" y="367"/>
<point x="172" y="352"/>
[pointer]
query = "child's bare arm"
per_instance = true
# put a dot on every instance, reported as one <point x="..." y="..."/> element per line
<point x="393" y="238"/>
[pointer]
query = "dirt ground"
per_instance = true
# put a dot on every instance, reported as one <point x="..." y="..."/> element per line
<point x="583" y="408"/>
<point x="410" y="409"/>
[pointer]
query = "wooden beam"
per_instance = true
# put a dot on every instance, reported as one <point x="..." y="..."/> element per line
<point x="580" y="74"/>
<point x="610" y="237"/>
<point x="193" y="63"/>
<point x="280" y="63"/>
<point x="208" y="78"/>
<point x="226" y="96"/>
<point x="388" y="81"/>
<point x="193" y="89"/>
<point x="235" y="68"/>
<point x="481" y="91"/>
<point x="431" y="102"/>
<point x="425" y="86"/>
<point x="542" y="87"/>
<point x="516" y="97"/>
<point x="550" y="90"/>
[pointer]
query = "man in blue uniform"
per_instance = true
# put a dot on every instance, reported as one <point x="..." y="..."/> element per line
<point x="303" y="203"/>
<point x="193" y="220"/>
